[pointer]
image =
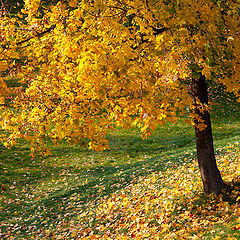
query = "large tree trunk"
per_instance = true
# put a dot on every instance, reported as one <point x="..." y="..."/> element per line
<point x="211" y="177"/>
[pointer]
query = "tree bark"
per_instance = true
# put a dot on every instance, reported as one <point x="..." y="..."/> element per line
<point x="211" y="177"/>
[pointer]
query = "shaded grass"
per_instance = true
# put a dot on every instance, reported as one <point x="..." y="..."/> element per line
<point x="38" y="193"/>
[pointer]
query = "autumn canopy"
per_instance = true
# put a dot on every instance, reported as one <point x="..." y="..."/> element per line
<point x="84" y="67"/>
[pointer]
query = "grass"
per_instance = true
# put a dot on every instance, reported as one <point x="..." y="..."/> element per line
<point x="38" y="194"/>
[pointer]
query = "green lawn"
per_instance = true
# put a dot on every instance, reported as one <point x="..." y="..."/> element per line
<point x="38" y="194"/>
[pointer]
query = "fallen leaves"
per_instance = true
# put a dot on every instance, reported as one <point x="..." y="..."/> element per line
<point x="170" y="206"/>
<point x="165" y="205"/>
<point x="104" y="204"/>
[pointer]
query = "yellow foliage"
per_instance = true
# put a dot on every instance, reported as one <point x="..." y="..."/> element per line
<point x="86" y="65"/>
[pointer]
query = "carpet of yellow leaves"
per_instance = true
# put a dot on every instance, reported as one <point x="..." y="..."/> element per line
<point x="166" y="205"/>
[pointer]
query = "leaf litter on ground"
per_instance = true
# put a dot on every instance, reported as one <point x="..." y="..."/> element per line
<point x="119" y="195"/>
<point x="165" y="205"/>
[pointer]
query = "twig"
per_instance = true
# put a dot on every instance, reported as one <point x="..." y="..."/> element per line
<point x="24" y="29"/>
<point x="36" y="35"/>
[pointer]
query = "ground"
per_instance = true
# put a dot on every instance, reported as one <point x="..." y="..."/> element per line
<point x="139" y="189"/>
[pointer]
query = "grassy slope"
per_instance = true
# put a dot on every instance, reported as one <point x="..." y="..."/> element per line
<point x="38" y="193"/>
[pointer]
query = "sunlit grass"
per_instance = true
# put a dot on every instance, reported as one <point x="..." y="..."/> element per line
<point x="38" y="194"/>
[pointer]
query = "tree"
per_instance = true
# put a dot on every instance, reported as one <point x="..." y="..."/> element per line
<point x="85" y="67"/>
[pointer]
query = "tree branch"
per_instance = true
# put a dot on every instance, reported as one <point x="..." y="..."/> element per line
<point x="36" y="35"/>
<point x="157" y="31"/>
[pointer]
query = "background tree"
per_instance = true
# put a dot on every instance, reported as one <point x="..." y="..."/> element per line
<point x="90" y="66"/>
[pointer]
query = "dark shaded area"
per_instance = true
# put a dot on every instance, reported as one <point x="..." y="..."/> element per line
<point x="12" y="6"/>
<point x="228" y="192"/>
<point x="224" y="104"/>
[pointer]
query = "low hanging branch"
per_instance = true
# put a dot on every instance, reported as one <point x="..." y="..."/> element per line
<point x="37" y="35"/>
<point x="157" y="31"/>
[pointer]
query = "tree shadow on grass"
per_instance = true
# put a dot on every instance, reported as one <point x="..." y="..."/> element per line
<point x="35" y="215"/>
<point x="231" y="191"/>
<point x="39" y="214"/>
<point x="16" y="165"/>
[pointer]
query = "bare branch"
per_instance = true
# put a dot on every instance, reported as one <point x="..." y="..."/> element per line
<point x="24" y="29"/>
<point x="37" y="35"/>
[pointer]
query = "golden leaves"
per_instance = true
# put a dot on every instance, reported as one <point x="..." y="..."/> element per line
<point x="73" y="3"/>
<point x="78" y="13"/>
<point x="3" y="65"/>
<point x="31" y="7"/>
<point x="114" y="63"/>
<point x="206" y="71"/>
